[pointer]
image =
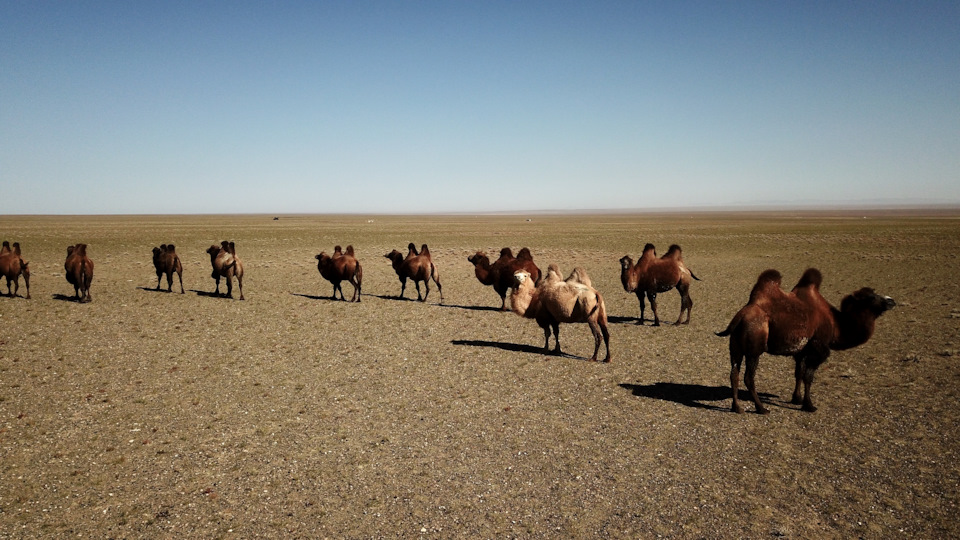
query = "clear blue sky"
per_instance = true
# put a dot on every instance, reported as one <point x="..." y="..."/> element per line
<point x="276" y="107"/>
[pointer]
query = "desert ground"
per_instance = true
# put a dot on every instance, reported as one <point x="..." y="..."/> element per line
<point x="162" y="415"/>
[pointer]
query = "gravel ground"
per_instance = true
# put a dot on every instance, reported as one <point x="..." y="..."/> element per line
<point x="150" y="414"/>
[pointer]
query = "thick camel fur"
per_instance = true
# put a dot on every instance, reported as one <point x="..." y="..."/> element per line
<point x="339" y="267"/>
<point x="651" y="276"/>
<point x="79" y="271"/>
<point x="226" y="264"/>
<point x="417" y="267"/>
<point x="500" y="273"/>
<point x="166" y="261"/>
<point x="12" y="266"/>
<point x="556" y="301"/>
<point x="801" y="324"/>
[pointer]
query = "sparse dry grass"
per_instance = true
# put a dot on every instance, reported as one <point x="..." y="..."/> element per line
<point x="148" y="414"/>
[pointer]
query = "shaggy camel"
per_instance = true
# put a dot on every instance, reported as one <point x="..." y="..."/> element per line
<point x="417" y="267"/>
<point x="801" y="324"/>
<point x="500" y="273"/>
<point x="225" y="263"/>
<point x="556" y="301"/>
<point x="12" y="266"/>
<point x="339" y="267"/>
<point x="652" y="275"/>
<point x="166" y="261"/>
<point x="79" y="271"/>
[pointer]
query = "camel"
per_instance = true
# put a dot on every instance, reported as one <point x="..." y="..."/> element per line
<point x="12" y="266"/>
<point x="500" y="273"/>
<point x="417" y="266"/>
<point x="225" y="263"/>
<point x="341" y="266"/>
<point x="79" y="271"/>
<point x="166" y="261"/>
<point x="556" y="301"/>
<point x="801" y="324"/>
<point x="652" y="275"/>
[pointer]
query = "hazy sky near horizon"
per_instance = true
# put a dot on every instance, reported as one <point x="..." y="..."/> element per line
<point x="295" y="107"/>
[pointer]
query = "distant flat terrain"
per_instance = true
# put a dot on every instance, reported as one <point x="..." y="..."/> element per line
<point x="151" y="414"/>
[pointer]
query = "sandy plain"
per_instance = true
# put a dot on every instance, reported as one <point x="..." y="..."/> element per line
<point x="148" y="414"/>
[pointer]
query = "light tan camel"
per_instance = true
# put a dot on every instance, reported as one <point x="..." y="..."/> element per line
<point x="556" y="301"/>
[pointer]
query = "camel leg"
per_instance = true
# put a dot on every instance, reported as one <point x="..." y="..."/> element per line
<point x="595" y="330"/>
<point x="170" y="282"/>
<point x="159" y="275"/>
<point x="606" y="337"/>
<point x="807" y="381"/>
<point x="643" y="306"/>
<point x="426" y="285"/>
<point x="403" y="286"/>
<point x="217" y="278"/>
<point x="736" y="359"/>
<point x="439" y="289"/>
<point x="180" y="276"/>
<point x="229" y="286"/>
<point x="652" y="296"/>
<point x="685" y="303"/>
<point x="240" y="285"/>
<point x="546" y="338"/>
<point x="749" y="378"/>
<point x="356" y="290"/>
<point x="798" y="375"/>
<point x="556" y="336"/>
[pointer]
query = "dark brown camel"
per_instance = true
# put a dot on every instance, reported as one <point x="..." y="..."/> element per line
<point x="226" y="264"/>
<point x="339" y="267"/>
<point x="651" y="276"/>
<point x="500" y="273"/>
<point x="801" y="324"/>
<point x="79" y="271"/>
<point x="12" y="266"/>
<point x="417" y="267"/>
<point x="166" y="261"/>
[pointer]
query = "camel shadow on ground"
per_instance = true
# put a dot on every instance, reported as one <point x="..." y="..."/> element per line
<point x="695" y="395"/>
<point x="209" y="294"/>
<point x="614" y="319"/>
<point x="66" y="298"/>
<point x="314" y="297"/>
<point x="151" y="289"/>
<point x="475" y="308"/>
<point x="513" y="347"/>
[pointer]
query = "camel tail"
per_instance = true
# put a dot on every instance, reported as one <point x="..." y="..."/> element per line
<point x="731" y="327"/>
<point x="694" y="276"/>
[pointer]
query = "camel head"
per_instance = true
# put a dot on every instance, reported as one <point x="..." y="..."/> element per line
<point x="156" y="253"/>
<point x="522" y="279"/>
<point x="479" y="258"/>
<point x="69" y="250"/>
<point x="857" y="316"/>
<point x="628" y="278"/>
<point x="395" y="257"/>
<point x="867" y="300"/>
<point x="213" y="250"/>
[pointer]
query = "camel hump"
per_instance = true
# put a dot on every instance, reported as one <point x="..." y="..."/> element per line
<point x="424" y="250"/>
<point x="233" y="248"/>
<point x="506" y="252"/>
<point x="350" y="250"/>
<point x="81" y="249"/>
<point x="525" y="254"/>
<point x="171" y="248"/>
<point x="674" y="251"/>
<point x="810" y="277"/>
<point x="648" y="247"/>
<point x="337" y="249"/>
<point x="16" y="248"/>
<point x="224" y="245"/>
<point x="768" y="276"/>
<point x="412" y="249"/>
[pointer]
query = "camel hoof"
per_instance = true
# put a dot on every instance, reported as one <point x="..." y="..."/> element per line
<point x="736" y="408"/>
<point x="656" y="323"/>
<point x="795" y="400"/>
<point x="808" y="407"/>
<point x="763" y="410"/>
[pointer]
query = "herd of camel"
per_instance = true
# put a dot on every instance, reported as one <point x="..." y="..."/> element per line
<point x="799" y="323"/>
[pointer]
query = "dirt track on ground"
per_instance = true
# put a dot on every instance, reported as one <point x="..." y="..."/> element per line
<point x="148" y="414"/>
